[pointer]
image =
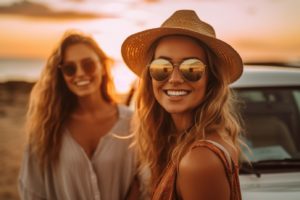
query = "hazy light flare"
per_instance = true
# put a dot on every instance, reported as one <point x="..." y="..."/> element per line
<point x="258" y="29"/>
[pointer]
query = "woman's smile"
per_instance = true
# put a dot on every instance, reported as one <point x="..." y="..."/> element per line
<point x="174" y="92"/>
<point x="82" y="82"/>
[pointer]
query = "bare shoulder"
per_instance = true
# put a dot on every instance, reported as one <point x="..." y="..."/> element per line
<point x="228" y="146"/>
<point x="201" y="175"/>
<point x="200" y="159"/>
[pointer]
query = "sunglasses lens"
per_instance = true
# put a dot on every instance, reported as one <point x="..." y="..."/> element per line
<point x="192" y="69"/>
<point x="88" y="65"/>
<point x="69" y="69"/>
<point x="160" y="69"/>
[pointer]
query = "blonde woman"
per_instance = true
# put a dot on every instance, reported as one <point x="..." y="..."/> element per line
<point x="187" y="131"/>
<point x="72" y="119"/>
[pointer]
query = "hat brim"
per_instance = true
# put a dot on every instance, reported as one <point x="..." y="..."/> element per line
<point x="136" y="47"/>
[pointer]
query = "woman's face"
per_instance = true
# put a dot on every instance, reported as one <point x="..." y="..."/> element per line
<point x="176" y="94"/>
<point x="82" y="70"/>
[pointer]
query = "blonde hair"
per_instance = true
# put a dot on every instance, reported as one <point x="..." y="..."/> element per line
<point x="51" y="102"/>
<point x="154" y="131"/>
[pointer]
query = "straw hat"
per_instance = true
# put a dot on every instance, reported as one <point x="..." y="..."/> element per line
<point x="183" y="22"/>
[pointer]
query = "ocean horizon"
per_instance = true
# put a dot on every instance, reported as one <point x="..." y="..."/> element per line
<point x="20" y="69"/>
<point x="29" y="70"/>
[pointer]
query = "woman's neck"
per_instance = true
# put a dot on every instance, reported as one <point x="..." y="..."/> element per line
<point x="91" y="104"/>
<point x="182" y="121"/>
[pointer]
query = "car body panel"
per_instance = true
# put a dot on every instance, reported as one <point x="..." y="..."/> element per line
<point x="268" y="76"/>
<point x="275" y="186"/>
<point x="279" y="185"/>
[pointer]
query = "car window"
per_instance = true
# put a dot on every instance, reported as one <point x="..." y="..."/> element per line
<point x="253" y="96"/>
<point x="271" y="117"/>
<point x="296" y="94"/>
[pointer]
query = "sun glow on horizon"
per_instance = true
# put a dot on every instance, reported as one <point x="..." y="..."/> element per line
<point x="123" y="78"/>
<point x="258" y="30"/>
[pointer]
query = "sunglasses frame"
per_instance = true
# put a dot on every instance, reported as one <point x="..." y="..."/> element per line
<point x="82" y="65"/>
<point x="176" y="65"/>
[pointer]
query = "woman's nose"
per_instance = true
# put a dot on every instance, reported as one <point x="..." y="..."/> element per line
<point x="175" y="76"/>
<point x="79" y="70"/>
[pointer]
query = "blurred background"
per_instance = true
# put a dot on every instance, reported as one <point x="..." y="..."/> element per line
<point x="262" y="31"/>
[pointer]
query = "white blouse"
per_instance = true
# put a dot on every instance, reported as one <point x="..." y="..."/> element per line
<point x="106" y="176"/>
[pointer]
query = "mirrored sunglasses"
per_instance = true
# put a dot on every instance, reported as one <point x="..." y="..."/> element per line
<point x="191" y="69"/>
<point x="87" y="64"/>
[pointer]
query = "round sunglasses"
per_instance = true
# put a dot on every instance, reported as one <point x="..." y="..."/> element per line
<point x="191" y="69"/>
<point x="87" y="64"/>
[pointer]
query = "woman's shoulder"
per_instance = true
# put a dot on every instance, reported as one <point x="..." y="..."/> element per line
<point x="210" y="156"/>
<point x="217" y="145"/>
<point x="200" y="160"/>
<point x="201" y="175"/>
<point x="203" y="166"/>
<point x="124" y="111"/>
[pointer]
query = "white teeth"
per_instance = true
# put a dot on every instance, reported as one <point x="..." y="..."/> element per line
<point x="82" y="83"/>
<point x="176" y="92"/>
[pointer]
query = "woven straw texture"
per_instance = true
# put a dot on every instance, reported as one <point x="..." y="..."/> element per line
<point x="183" y="22"/>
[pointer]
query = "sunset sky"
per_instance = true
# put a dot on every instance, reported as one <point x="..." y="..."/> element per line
<point x="261" y="30"/>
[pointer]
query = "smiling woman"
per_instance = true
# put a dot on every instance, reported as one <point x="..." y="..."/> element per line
<point x="186" y="128"/>
<point x="72" y="121"/>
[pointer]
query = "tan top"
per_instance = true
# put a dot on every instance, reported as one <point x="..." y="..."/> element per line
<point x="166" y="188"/>
<point x="106" y="176"/>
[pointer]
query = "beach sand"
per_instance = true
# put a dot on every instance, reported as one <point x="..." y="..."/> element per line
<point x="13" y="105"/>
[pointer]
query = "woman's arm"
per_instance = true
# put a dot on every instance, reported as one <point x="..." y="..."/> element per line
<point x="31" y="185"/>
<point x="202" y="176"/>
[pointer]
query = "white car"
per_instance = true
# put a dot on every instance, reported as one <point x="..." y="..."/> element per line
<point x="271" y="111"/>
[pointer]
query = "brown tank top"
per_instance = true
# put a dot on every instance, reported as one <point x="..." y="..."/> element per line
<point x="166" y="188"/>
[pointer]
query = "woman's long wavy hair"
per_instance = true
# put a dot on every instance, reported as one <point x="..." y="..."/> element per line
<point x="51" y="102"/>
<point x="154" y="129"/>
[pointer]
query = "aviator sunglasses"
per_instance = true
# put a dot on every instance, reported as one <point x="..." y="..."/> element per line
<point x="191" y="69"/>
<point x="88" y="65"/>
